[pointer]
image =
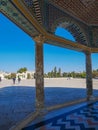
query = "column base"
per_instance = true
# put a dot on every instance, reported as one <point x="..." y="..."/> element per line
<point x="90" y="98"/>
<point x="42" y="111"/>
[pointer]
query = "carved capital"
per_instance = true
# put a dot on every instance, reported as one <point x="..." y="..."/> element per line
<point x="40" y="39"/>
<point x="87" y="52"/>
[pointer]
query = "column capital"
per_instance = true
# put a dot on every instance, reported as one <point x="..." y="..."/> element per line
<point x="87" y="52"/>
<point x="40" y="39"/>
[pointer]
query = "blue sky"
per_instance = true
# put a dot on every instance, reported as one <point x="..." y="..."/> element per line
<point x="17" y="50"/>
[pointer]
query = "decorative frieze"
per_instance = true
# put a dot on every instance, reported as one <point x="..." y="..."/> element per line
<point x="7" y="8"/>
<point x="34" y="8"/>
<point x="95" y="36"/>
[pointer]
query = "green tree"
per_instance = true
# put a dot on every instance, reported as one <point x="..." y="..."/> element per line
<point x="73" y="74"/>
<point x="95" y="73"/>
<point x="59" y="72"/>
<point x="45" y="75"/>
<point x="21" y="70"/>
<point x="49" y="74"/>
<point x="83" y="74"/>
<point x="55" y="72"/>
<point x="7" y="76"/>
<point x="13" y="75"/>
<point x="64" y="74"/>
<point x="52" y="74"/>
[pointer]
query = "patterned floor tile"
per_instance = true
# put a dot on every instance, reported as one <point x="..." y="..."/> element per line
<point x="83" y="118"/>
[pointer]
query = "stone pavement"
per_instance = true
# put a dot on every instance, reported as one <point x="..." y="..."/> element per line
<point x="17" y="101"/>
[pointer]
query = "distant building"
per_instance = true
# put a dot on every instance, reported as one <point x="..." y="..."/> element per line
<point x="26" y="75"/>
<point x="4" y="74"/>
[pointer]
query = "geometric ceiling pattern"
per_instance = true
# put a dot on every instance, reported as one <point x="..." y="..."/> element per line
<point x="49" y="14"/>
<point x="87" y="2"/>
<point x="84" y="10"/>
<point x="79" y="17"/>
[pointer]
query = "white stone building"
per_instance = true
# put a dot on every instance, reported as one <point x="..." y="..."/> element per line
<point x="4" y="74"/>
<point x="26" y="75"/>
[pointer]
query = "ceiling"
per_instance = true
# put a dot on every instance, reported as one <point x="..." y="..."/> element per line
<point x="84" y="10"/>
<point x="35" y="17"/>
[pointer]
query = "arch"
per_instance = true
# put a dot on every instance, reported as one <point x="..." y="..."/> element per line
<point x="64" y="33"/>
<point x="73" y="27"/>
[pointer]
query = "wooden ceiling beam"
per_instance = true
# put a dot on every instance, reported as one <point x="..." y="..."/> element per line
<point x="72" y="45"/>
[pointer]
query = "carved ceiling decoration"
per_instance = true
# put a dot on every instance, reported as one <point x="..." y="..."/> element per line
<point x="84" y="10"/>
<point x="34" y="7"/>
<point x="17" y="17"/>
<point x="79" y="17"/>
<point x="95" y="36"/>
<point x="29" y="2"/>
<point x="78" y="30"/>
<point x="75" y="30"/>
<point x="77" y="33"/>
<point x="87" y="2"/>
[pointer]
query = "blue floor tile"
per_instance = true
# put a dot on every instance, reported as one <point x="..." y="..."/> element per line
<point x="82" y="118"/>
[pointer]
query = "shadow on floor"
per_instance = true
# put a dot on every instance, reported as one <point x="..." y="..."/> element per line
<point x="16" y="102"/>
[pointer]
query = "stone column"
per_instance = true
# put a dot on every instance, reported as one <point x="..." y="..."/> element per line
<point x="89" y="83"/>
<point x="39" y="74"/>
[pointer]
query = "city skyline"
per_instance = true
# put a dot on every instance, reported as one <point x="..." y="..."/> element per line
<point x="17" y="50"/>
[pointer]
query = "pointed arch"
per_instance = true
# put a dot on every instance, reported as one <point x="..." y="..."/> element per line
<point x="73" y="27"/>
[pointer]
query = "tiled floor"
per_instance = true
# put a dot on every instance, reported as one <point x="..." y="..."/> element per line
<point x="79" y="117"/>
<point x="17" y="101"/>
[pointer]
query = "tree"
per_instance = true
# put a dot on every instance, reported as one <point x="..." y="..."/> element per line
<point x="95" y="73"/>
<point x="13" y="75"/>
<point x="83" y="74"/>
<point x="59" y="72"/>
<point x="55" y="72"/>
<point x="21" y="70"/>
<point x="64" y="74"/>
<point x="49" y="74"/>
<point x="7" y="76"/>
<point x="52" y="74"/>
<point x="73" y="74"/>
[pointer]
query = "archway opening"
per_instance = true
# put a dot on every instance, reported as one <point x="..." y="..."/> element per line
<point x="95" y="74"/>
<point x="78" y="34"/>
<point x="16" y="47"/>
<point x="65" y="80"/>
<point x="16" y="51"/>
<point x="64" y="33"/>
